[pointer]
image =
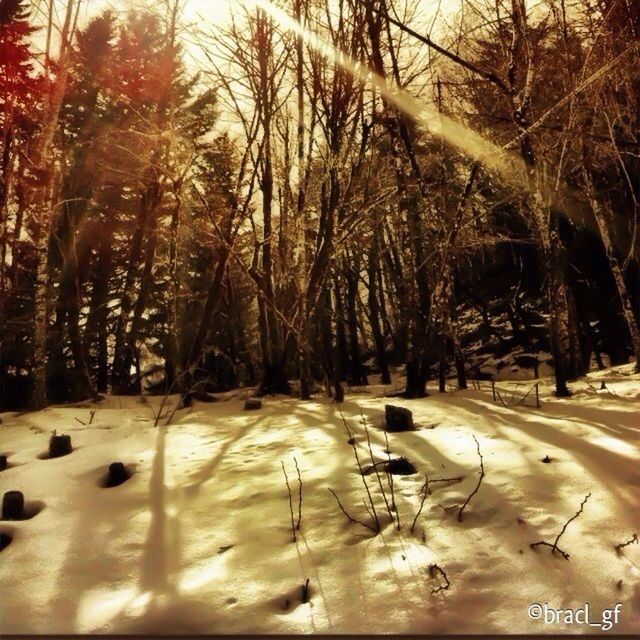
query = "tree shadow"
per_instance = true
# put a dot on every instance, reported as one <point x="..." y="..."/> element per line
<point x="206" y="472"/>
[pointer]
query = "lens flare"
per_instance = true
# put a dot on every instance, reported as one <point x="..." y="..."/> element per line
<point x="464" y="138"/>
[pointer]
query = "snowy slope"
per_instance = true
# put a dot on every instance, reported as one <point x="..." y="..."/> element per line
<point x="199" y="539"/>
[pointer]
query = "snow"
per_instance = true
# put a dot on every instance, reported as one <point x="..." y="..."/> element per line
<point x="199" y="539"/>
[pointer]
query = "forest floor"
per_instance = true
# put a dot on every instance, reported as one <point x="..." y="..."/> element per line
<point x="199" y="539"/>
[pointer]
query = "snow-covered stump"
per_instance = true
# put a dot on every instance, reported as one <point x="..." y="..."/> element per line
<point x="397" y="418"/>
<point x="13" y="505"/>
<point x="117" y="474"/>
<point x="3" y="463"/>
<point x="59" y="446"/>
<point x="5" y="540"/>
<point x="251" y="404"/>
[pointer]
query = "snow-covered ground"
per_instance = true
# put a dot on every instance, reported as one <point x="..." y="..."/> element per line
<point x="199" y="539"/>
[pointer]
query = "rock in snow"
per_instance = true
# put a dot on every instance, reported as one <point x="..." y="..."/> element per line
<point x="398" y="418"/>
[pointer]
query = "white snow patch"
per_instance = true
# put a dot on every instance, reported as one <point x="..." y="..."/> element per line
<point x="198" y="540"/>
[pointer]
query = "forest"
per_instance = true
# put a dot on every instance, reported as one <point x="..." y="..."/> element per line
<point x="321" y="207"/>
<point x="256" y="213"/>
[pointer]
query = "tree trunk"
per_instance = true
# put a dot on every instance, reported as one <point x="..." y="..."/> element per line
<point x="304" y="337"/>
<point x="214" y="295"/>
<point x="374" y="310"/>
<point x="558" y="310"/>
<point x="614" y="264"/>
<point x="120" y="374"/>
<point x="132" y="351"/>
<point x="95" y="337"/>
<point x="41" y="204"/>
<point x="415" y="304"/>
<point x="273" y="376"/>
<point x="341" y="351"/>
<point x="172" y="348"/>
<point x="358" y="376"/>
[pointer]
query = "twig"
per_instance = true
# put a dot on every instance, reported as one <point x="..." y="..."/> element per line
<point x="504" y="404"/>
<point x="473" y="493"/>
<point x="449" y="508"/>
<point x="394" y="507"/>
<point x="364" y="481"/>
<point x="526" y="395"/>
<point x="425" y="492"/>
<point x="434" y="570"/>
<point x="554" y="546"/>
<point x="299" y="496"/>
<point x="91" y="414"/>
<point x="375" y="469"/>
<point x="364" y="524"/>
<point x="632" y="540"/>
<point x="564" y="554"/>
<point x="286" y="479"/>
<point x="367" y="508"/>
<point x="515" y="389"/>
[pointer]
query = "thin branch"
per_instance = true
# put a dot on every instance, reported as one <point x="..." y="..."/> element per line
<point x="364" y="524"/>
<point x="299" y="495"/>
<point x="487" y="75"/>
<point x="554" y="546"/>
<point x="632" y="540"/>
<point x="425" y="492"/>
<point x="473" y="493"/>
<point x="375" y="468"/>
<point x="286" y="479"/>
<point x="364" y="481"/>
<point x="394" y="506"/>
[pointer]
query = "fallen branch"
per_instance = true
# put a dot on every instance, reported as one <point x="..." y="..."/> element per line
<point x="473" y="493"/>
<point x="554" y="546"/>
<point x="354" y="520"/>
<point x="434" y="570"/>
<point x="622" y="545"/>
<point x="286" y="479"/>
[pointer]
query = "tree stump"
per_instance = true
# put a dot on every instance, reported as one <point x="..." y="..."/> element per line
<point x="59" y="446"/>
<point x="3" y="463"/>
<point x="117" y="475"/>
<point x="13" y="505"/>
<point x="5" y="540"/>
<point x="398" y="418"/>
<point x="251" y="404"/>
